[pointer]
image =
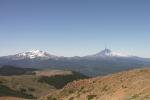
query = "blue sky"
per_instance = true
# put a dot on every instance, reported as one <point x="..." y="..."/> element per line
<point x="75" y="27"/>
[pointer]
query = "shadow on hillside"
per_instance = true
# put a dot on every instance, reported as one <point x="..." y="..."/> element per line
<point x="59" y="81"/>
<point x="6" y="91"/>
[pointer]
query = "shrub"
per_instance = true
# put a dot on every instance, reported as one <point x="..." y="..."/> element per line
<point x="1" y="82"/>
<point x="31" y="89"/>
<point x="90" y="97"/>
<point x="71" y="98"/>
<point x="51" y="98"/>
<point x="22" y="90"/>
<point x="105" y="88"/>
<point x="71" y="91"/>
<point x="59" y="81"/>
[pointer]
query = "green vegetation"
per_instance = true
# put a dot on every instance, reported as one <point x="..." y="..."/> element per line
<point x="147" y="96"/>
<point x="11" y="70"/>
<point x="105" y="88"/>
<point x="59" y="81"/>
<point x="71" y="98"/>
<point x="51" y="98"/>
<point x="134" y="97"/>
<point x="68" y="92"/>
<point x="71" y="91"/>
<point x="90" y="97"/>
<point x="6" y="91"/>
<point x="23" y="83"/>
<point x="22" y="86"/>
<point x="82" y="87"/>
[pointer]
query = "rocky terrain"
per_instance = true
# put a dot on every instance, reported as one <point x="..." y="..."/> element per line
<point x="127" y="85"/>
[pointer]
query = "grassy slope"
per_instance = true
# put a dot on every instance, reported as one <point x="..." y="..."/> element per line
<point x="32" y="86"/>
<point x="59" y="81"/>
<point x="5" y="91"/>
<point x="129" y="85"/>
<point x="26" y="85"/>
<point x="11" y="70"/>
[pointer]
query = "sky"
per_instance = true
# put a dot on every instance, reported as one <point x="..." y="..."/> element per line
<point x="75" y="27"/>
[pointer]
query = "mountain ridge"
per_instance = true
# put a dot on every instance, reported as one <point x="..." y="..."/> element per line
<point x="31" y="55"/>
<point x="39" y="54"/>
<point x="102" y="63"/>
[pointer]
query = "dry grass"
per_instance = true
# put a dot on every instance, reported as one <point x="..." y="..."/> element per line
<point x="128" y="85"/>
<point x="11" y="98"/>
<point x="36" y="85"/>
<point x="52" y="72"/>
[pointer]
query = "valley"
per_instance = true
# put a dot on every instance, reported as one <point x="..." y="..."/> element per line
<point x="103" y="63"/>
<point x="107" y="75"/>
<point x="74" y="49"/>
<point x="36" y="84"/>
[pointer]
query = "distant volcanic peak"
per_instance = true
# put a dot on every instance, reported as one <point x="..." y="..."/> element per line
<point x="36" y="51"/>
<point x="108" y="53"/>
<point x="35" y="54"/>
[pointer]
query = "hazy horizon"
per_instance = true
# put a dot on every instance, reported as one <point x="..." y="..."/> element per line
<point x="75" y="28"/>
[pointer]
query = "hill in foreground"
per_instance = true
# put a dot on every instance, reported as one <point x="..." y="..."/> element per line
<point x="128" y="85"/>
<point x="35" y="84"/>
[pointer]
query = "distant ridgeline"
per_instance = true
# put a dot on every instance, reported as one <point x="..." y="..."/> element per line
<point x="102" y="63"/>
<point x="8" y="70"/>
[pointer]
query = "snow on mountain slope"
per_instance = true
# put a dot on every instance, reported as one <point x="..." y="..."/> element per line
<point x="44" y="55"/>
<point x="108" y="53"/>
<point x="32" y="54"/>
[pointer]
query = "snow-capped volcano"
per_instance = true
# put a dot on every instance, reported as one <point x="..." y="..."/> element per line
<point x="108" y="53"/>
<point x="102" y="63"/>
<point x="32" y="54"/>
